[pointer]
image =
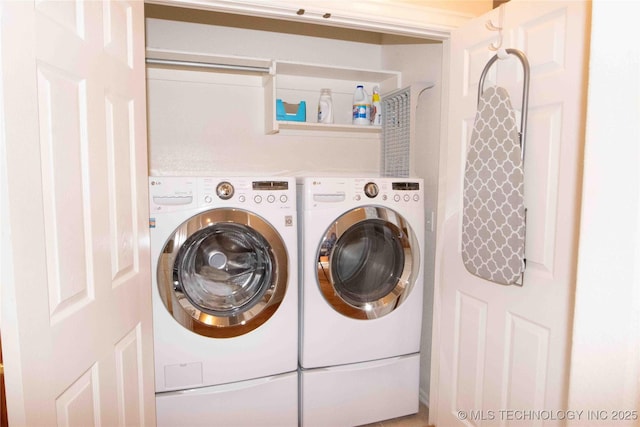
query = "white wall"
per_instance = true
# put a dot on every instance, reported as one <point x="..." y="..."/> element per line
<point x="605" y="357"/>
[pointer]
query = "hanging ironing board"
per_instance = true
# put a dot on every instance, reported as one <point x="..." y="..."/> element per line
<point x="493" y="217"/>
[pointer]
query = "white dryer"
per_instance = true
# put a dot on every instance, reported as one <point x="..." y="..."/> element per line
<point x="225" y="300"/>
<point x="361" y="298"/>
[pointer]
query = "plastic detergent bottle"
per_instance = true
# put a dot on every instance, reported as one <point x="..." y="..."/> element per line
<point x="325" y="107"/>
<point x="376" y="111"/>
<point x="361" y="107"/>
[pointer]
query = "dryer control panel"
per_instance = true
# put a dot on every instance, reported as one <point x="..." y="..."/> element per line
<point x="327" y="191"/>
<point x="386" y="189"/>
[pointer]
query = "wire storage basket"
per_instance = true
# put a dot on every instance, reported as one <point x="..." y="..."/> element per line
<point x="396" y="133"/>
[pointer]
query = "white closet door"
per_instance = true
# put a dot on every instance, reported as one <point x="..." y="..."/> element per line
<point x="76" y="318"/>
<point x="508" y="347"/>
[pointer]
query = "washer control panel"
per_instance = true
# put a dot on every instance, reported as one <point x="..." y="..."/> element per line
<point x="170" y="194"/>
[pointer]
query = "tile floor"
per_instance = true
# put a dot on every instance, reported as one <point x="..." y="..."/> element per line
<point x="421" y="419"/>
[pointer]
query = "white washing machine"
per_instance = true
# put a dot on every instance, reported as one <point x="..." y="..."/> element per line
<point x="225" y="300"/>
<point x="362" y="245"/>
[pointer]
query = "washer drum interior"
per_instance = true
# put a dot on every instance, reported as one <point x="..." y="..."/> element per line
<point x="223" y="273"/>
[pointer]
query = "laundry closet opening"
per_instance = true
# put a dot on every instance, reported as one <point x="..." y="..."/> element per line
<point x="218" y="121"/>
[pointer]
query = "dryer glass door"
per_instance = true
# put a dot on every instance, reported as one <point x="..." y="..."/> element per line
<point x="228" y="271"/>
<point x="367" y="262"/>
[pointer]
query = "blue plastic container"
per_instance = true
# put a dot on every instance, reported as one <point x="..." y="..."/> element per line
<point x="291" y="112"/>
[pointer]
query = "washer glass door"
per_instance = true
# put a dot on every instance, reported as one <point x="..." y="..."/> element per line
<point x="367" y="262"/>
<point x="223" y="273"/>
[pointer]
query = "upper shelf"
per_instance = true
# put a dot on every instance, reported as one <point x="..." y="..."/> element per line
<point x="332" y="72"/>
<point x="295" y="81"/>
<point x="288" y="78"/>
<point x="327" y="127"/>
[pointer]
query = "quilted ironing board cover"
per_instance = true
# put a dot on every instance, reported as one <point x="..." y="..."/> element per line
<point x="493" y="218"/>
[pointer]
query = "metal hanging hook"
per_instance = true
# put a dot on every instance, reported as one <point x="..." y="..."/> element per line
<point x="525" y="87"/>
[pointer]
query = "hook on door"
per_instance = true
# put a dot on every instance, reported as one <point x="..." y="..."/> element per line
<point x="498" y="43"/>
<point x="494" y="46"/>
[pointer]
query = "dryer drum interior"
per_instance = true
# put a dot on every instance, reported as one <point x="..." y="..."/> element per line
<point x="225" y="273"/>
<point x="367" y="262"/>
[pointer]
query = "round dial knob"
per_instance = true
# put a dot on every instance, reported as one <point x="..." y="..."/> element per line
<point x="371" y="189"/>
<point x="224" y="190"/>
